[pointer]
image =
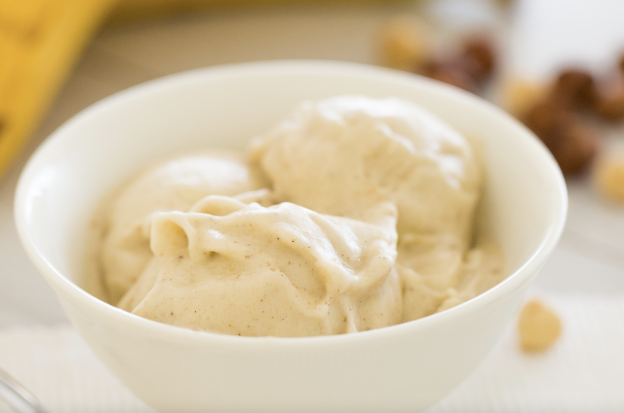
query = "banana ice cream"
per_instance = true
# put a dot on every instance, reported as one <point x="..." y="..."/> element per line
<point x="174" y="185"/>
<point x="341" y="156"/>
<point x="350" y="214"/>
<point x="284" y="270"/>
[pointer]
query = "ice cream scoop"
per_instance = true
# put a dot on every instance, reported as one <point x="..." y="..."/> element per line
<point x="341" y="155"/>
<point x="174" y="185"/>
<point x="282" y="270"/>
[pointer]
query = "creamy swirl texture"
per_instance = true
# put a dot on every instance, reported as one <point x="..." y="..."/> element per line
<point x="174" y="185"/>
<point x="285" y="270"/>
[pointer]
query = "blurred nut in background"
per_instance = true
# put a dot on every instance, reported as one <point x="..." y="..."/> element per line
<point x="570" y="140"/>
<point x="538" y="327"/>
<point x="405" y="44"/>
<point x="609" y="177"/>
<point x="478" y="57"/>
<point x="451" y="72"/>
<point x="468" y="69"/>
<point x="573" y="88"/>
<point x="547" y="119"/>
<point x="609" y="101"/>
<point x="519" y="96"/>
<point x="575" y="148"/>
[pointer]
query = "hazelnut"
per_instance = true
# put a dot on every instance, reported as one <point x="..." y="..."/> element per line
<point x="520" y="95"/>
<point x="609" y="101"/>
<point x="574" y="88"/>
<point x="546" y="119"/>
<point x="571" y="142"/>
<point x="576" y="147"/>
<point x="478" y="58"/>
<point x="448" y="71"/>
<point x="538" y="327"/>
<point x="404" y="44"/>
<point x="608" y="177"/>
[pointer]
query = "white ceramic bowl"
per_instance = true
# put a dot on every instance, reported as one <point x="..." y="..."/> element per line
<point x="403" y="368"/>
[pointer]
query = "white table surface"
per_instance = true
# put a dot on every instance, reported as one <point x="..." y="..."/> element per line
<point x="540" y="35"/>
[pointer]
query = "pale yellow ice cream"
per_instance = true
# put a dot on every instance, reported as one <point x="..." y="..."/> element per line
<point x="341" y="155"/>
<point x="365" y="222"/>
<point x="174" y="185"/>
<point x="284" y="270"/>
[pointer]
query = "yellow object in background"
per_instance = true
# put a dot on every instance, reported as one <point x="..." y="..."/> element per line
<point x="405" y="44"/>
<point x="538" y="327"/>
<point x="40" y="40"/>
<point x="608" y="176"/>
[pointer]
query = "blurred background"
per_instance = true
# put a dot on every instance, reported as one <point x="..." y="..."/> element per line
<point x="556" y="65"/>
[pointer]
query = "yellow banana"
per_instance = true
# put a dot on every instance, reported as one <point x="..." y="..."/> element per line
<point x="39" y="42"/>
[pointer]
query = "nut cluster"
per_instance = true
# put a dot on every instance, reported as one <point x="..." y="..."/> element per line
<point x="562" y="118"/>
<point x="556" y="121"/>
<point x="564" y="115"/>
<point x="406" y="44"/>
<point x="467" y="69"/>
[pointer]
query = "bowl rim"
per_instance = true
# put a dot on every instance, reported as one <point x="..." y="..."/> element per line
<point x="63" y="285"/>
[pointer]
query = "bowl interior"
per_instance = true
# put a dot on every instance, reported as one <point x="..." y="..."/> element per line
<point x="523" y="206"/>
